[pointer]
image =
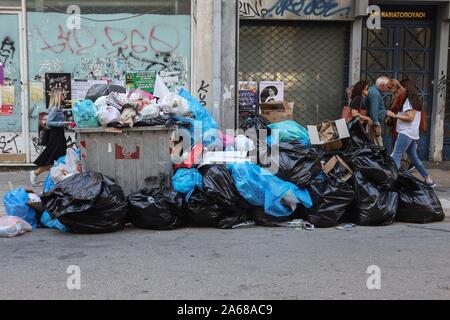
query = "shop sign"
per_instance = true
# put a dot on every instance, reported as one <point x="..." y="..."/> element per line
<point x="405" y="15"/>
<point x="297" y="9"/>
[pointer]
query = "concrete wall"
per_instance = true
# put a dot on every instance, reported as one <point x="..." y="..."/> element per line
<point x="214" y="69"/>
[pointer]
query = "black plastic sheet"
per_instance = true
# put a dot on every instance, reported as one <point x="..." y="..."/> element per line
<point x="88" y="203"/>
<point x="418" y="203"/>
<point x="100" y="90"/>
<point x="157" y="209"/>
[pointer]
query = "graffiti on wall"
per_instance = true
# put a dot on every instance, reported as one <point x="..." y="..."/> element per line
<point x="8" y="143"/>
<point x="109" y="49"/>
<point x="7" y="50"/>
<point x="297" y="9"/>
<point x="203" y="92"/>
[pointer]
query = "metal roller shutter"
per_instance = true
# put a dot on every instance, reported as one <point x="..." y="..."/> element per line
<point x="311" y="59"/>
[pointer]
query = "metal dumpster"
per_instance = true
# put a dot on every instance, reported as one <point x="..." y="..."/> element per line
<point x="133" y="157"/>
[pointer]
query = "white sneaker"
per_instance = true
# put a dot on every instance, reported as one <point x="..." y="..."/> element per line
<point x="33" y="178"/>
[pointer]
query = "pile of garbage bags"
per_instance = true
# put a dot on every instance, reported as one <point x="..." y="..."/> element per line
<point x="363" y="187"/>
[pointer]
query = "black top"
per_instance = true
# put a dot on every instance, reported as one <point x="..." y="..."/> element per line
<point x="358" y="103"/>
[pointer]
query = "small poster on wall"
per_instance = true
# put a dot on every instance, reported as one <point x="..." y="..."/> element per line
<point x="58" y="89"/>
<point x="271" y="91"/>
<point x="248" y="96"/>
<point x="144" y="80"/>
<point x="7" y="99"/>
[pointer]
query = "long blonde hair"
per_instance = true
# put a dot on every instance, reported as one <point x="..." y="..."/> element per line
<point x="55" y="97"/>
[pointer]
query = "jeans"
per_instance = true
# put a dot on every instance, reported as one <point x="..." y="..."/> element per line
<point x="407" y="145"/>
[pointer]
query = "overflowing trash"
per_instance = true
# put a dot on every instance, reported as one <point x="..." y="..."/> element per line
<point x="326" y="176"/>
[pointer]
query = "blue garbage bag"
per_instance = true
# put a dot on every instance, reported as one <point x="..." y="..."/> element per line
<point x="210" y="132"/>
<point x="48" y="222"/>
<point x="261" y="188"/>
<point x="15" y="203"/>
<point x="186" y="180"/>
<point x="84" y="114"/>
<point x="289" y="131"/>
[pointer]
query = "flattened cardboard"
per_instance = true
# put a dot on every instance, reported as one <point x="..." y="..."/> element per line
<point x="341" y="127"/>
<point x="334" y="161"/>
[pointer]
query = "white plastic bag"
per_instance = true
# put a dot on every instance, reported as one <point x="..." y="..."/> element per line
<point x="244" y="144"/>
<point x="101" y="102"/>
<point x="63" y="171"/>
<point x="150" y="111"/>
<point x="174" y="104"/>
<point x="13" y="226"/>
<point x="107" y="115"/>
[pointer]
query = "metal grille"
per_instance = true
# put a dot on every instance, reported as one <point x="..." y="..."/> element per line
<point x="308" y="57"/>
<point x="399" y="52"/>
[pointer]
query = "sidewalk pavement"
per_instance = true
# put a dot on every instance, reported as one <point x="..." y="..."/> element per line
<point x="20" y="178"/>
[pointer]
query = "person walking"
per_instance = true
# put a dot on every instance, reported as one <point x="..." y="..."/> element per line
<point x="377" y="109"/>
<point x="55" y="144"/>
<point x="408" y="129"/>
<point x="358" y="103"/>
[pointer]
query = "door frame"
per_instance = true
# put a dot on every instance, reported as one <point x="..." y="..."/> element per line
<point x="23" y="65"/>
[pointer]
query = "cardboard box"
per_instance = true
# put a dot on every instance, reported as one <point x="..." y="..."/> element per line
<point x="340" y="127"/>
<point x="278" y="111"/>
<point x="347" y="173"/>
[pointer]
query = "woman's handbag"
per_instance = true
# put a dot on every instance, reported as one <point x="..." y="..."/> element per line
<point x="347" y="114"/>
<point x="44" y="137"/>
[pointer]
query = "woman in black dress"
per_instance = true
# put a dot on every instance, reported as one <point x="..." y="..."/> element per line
<point x="56" y="141"/>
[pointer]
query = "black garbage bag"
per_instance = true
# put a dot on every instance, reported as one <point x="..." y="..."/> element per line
<point x="88" y="202"/>
<point x="372" y="206"/>
<point x="297" y="163"/>
<point x="204" y="211"/>
<point x="418" y="203"/>
<point x="158" y="121"/>
<point x="156" y="209"/>
<point x="331" y="199"/>
<point x="358" y="136"/>
<point x="218" y="184"/>
<point x="255" y="121"/>
<point x="100" y="90"/>
<point x="375" y="165"/>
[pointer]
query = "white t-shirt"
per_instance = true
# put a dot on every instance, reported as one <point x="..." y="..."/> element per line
<point x="409" y="129"/>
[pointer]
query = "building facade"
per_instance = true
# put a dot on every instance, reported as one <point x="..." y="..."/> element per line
<point x="317" y="48"/>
